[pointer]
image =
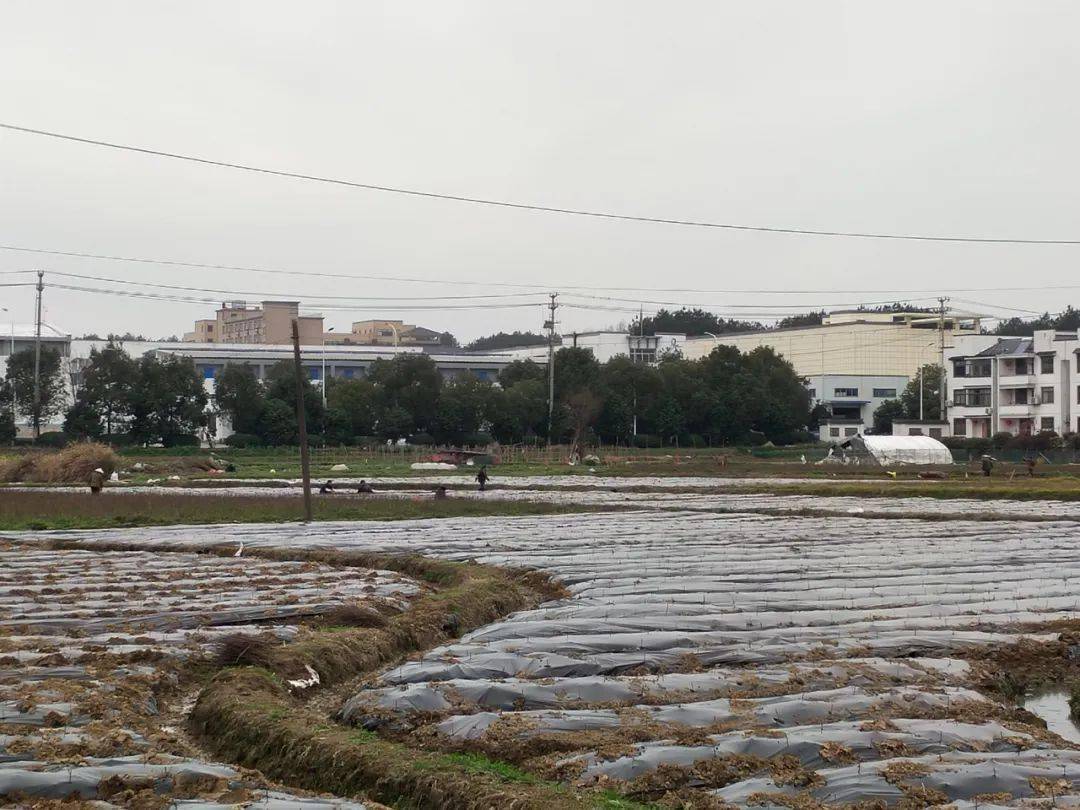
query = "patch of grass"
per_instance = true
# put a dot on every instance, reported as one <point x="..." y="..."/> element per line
<point x="1030" y="489"/>
<point x="478" y="763"/>
<point x="37" y="511"/>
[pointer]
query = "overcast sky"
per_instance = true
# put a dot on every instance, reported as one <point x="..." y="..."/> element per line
<point x="955" y="118"/>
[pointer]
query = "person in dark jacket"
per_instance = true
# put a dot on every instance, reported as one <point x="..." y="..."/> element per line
<point x="987" y="465"/>
<point x="482" y="478"/>
<point x="327" y="487"/>
<point x="363" y="488"/>
<point x="97" y="481"/>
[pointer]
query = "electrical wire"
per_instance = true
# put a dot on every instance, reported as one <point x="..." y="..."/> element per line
<point x="549" y="286"/>
<point x="780" y="309"/>
<point x="194" y="300"/>
<point x="270" y="295"/>
<point x="531" y="206"/>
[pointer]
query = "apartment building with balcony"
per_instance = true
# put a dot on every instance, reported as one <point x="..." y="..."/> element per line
<point x="1017" y="385"/>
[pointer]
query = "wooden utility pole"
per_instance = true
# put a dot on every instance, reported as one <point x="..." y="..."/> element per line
<point x="550" y="325"/>
<point x="37" y="359"/>
<point x="941" y="330"/>
<point x="301" y="422"/>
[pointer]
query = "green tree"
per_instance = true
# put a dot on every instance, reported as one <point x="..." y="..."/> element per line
<point x="691" y="322"/>
<point x="396" y="423"/>
<point x="357" y="401"/>
<point x="278" y="425"/>
<point x="931" y="394"/>
<point x="240" y="396"/>
<point x="506" y="340"/>
<point x="520" y="370"/>
<point x="7" y="415"/>
<point x="281" y="387"/>
<point x="83" y="420"/>
<point x="519" y="413"/>
<point x="411" y="382"/>
<point x="20" y="375"/>
<point x="887" y="411"/>
<point x="628" y="390"/>
<point x="464" y="404"/>
<point x="168" y="400"/>
<point x="1068" y="321"/>
<point x="105" y="390"/>
<point x="780" y="402"/>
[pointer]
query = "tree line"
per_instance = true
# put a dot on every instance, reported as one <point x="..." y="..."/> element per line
<point x="148" y="400"/>
<point x="725" y="398"/>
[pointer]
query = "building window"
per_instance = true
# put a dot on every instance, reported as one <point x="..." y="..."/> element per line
<point x="959" y="427"/>
<point x="313" y="372"/>
<point x="1047" y="423"/>
<point x="1048" y="395"/>
<point x="884" y="393"/>
<point x="1047" y="363"/>
<point x="914" y="432"/>
<point x="643" y="355"/>
<point x="845" y="392"/>
<point x="935" y="433"/>
<point x="851" y="431"/>
<point x="971" y="368"/>
<point x="972" y="398"/>
<point x="834" y="432"/>
<point x="813" y="393"/>
<point x="347" y="373"/>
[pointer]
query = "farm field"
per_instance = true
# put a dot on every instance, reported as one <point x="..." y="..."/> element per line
<point x="683" y="651"/>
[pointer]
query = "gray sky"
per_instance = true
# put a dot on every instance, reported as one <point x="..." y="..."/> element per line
<point x="938" y="118"/>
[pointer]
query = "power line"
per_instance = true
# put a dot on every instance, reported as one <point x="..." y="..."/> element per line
<point x="150" y="296"/>
<point x="536" y="287"/>
<point x="337" y="297"/>
<point x="531" y="206"/>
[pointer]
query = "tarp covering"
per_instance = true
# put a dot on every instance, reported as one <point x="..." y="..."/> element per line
<point x="898" y="449"/>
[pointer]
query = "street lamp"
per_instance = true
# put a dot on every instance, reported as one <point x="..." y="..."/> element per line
<point x="328" y="331"/>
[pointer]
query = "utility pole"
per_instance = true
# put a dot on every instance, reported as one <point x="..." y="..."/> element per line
<point x="37" y="359"/>
<point x="641" y="340"/>
<point x="550" y="326"/>
<point x="922" y="376"/>
<point x="301" y="422"/>
<point x="941" y="330"/>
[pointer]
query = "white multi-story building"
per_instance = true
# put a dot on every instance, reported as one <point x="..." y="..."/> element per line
<point x="1017" y="385"/>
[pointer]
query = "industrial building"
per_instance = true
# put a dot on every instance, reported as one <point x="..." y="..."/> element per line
<point x="855" y="360"/>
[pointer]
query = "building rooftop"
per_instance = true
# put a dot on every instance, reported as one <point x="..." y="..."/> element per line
<point x="1013" y="346"/>
<point x="28" y="330"/>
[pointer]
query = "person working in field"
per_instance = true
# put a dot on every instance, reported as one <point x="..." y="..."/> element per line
<point x="1030" y="463"/>
<point x="363" y="488"/>
<point x="97" y="481"/>
<point x="987" y="465"/>
<point x="327" y="487"/>
<point x="482" y="478"/>
<point x="440" y="493"/>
